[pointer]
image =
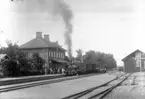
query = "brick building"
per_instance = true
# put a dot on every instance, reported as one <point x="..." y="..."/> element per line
<point x="52" y="52"/>
<point x="134" y="62"/>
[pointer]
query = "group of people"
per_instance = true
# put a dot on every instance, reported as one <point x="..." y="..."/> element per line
<point x="56" y="71"/>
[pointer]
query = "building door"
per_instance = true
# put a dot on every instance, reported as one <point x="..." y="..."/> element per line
<point x="138" y="64"/>
<point x="138" y="61"/>
<point x="144" y="66"/>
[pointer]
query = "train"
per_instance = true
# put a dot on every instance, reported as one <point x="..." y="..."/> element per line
<point x="84" y="68"/>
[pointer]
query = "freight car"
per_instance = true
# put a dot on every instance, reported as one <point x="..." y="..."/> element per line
<point x="91" y="68"/>
<point x="83" y="68"/>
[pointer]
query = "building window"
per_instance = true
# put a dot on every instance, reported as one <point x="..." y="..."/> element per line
<point x="59" y="55"/>
<point x="62" y="55"/>
<point x="45" y="56"/>
<point x="138" y="55"/>
<point x="51" y="54"/>
<point x="54" y="54"/>
<point x="138" y="62"/>
<point x="86" y="66"/>
<point x="29" y="54"/>
<point x="26" y="54"/>
<point x="48" y="53"/>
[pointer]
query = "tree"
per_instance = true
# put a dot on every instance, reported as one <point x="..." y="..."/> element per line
<point x="110" y="61"/>
<point x="15" y="54"/>
<point x="90" y="56"/>
<point x="10" y="67"/>
<point x="103" y="59"/>
<point x="66" y="58"/>
<point x="79" y="55"/>
<point x="37" y="62"/>
<point x="25" y="64"/>
<point x="12" y="49"/>
<point x="3" y="50"/>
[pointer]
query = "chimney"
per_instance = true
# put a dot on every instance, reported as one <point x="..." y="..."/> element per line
<point x="56" y="42"/>
<point x="46" y="37"/>
<point x="38" y="34"/>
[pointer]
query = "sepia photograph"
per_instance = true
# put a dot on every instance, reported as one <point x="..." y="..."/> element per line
<point x="72" y="49"/>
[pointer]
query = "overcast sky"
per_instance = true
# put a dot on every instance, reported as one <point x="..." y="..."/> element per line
<point x="110" y="26"/>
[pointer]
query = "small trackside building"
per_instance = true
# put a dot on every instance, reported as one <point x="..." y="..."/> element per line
<point x="134" y="62"/>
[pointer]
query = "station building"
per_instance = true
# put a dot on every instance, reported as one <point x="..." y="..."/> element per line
<point x="134" y="62"/>
<point x="51" y="52"/>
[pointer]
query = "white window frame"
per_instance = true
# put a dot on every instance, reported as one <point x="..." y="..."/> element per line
<point x="144" y="64"/>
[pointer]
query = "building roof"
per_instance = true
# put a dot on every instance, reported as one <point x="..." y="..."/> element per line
<point x="59" y="60"/>
<point x="3" y="56"/>
<point x="133" y="53"/>
<point x="35" y="43"/>
<point x="40" y="42"/>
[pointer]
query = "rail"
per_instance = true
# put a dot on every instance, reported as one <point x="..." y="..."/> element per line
<point x="104" y="92"/>
<point x="38" y="83"/>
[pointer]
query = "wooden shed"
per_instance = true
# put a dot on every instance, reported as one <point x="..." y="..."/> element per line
<point x="134" y="62"/>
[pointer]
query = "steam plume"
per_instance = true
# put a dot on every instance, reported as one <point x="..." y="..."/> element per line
<point x="57" y="7"/>
<point x="60" y="7"/>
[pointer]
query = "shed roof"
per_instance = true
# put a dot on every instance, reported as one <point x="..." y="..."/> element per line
<point x="132" y="54"/>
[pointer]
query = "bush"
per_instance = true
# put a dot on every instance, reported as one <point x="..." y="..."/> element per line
<point x="10" y="68"/>
<point x="37" y="62"/>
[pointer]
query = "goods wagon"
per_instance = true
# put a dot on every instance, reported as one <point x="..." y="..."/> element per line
<point x="84" y="68"/>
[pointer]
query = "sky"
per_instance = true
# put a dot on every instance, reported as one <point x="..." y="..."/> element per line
<point x="110" y="26"/>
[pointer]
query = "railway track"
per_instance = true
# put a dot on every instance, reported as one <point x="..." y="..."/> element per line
<point x="91" y="94"/>
<point x="43" y="82"/>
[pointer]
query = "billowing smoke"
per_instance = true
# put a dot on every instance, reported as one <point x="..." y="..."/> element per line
<point x="60" y="7"/>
